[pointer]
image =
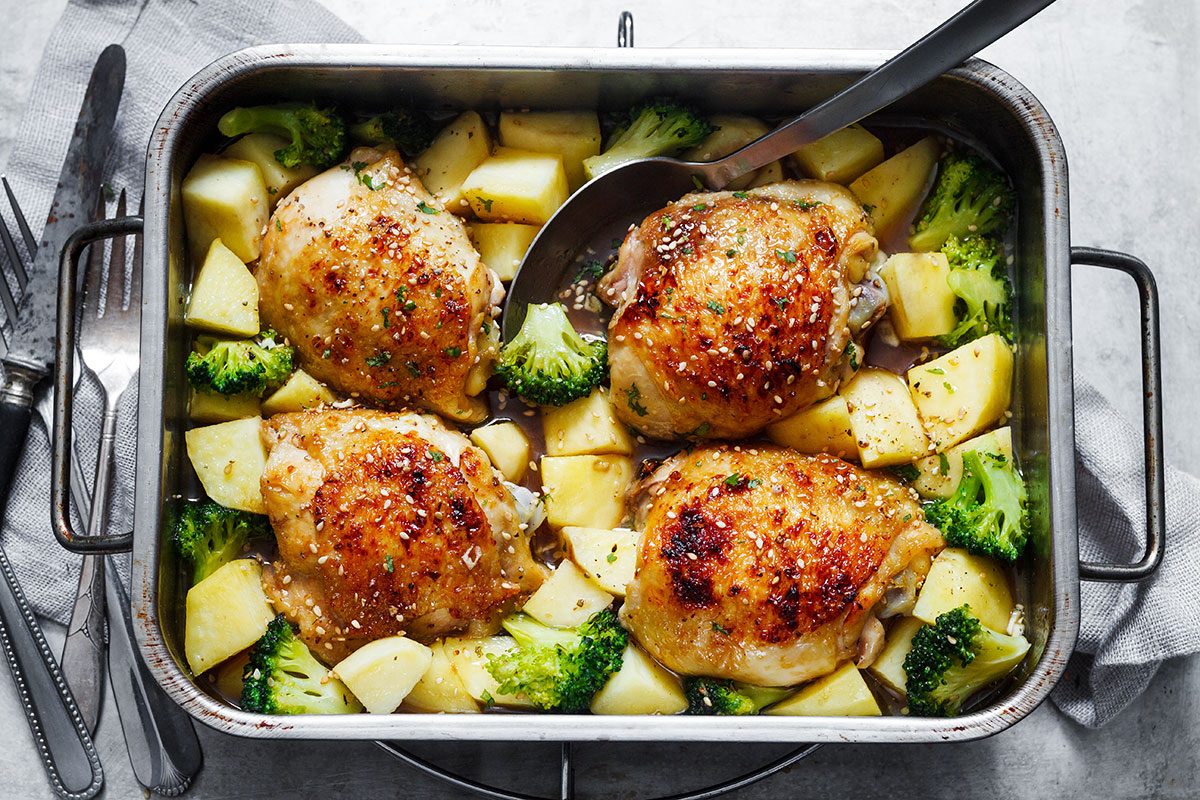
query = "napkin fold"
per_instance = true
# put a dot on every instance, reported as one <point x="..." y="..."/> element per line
<point x="1127" y="629"/>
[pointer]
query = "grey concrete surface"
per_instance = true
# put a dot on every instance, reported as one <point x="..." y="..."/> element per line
<point x="1119" y="79"/>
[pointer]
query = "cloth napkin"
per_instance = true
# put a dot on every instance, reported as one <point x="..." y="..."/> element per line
<point x="1127" y="630"/>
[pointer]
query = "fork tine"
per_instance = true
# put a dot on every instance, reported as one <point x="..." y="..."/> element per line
<point x="6" y="297"/>
<point x="135" y="276"/>
<point x="93" y="273"/>
<point x="26" y="234"/>
<point x="114" y="295"/>
<point x="10" y="248"/>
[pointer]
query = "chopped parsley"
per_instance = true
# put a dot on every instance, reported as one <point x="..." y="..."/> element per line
<point x="740" y="195"/>
<point x="936" y="371"/>
<point x="701" y="430"/>
<point x="733" y="479"/>
<point x="278" y="225"/>
<point x="590" y="271"/>
<point x="754" y="483"/>
<point x="852" y="351"/>
<point x="730" y="253"/>
<point x="666" y="222"/>
<point x="907" y="518"/>
<point x="486" y="202"/>
<point x="782" y="302"/>
<point x="943" y="464"/>
<point x="699" y="184"/>
<point x="425" y="208"/>
<point x="808" y="205"/>
<point x="612" y="558"/>
<point x="721" y="629"/>
<point x="633" y="396"/>
<point x="906" y="473"/>
<point x="453" y="352"/>
<point x="867" y="207"/>
<point x="715" y="307"/>
<point x="700" y="207"/>
<point x="363" y="178"/>
<point x="388" y="564"/>
<point x="386" y="322"/>
<point x="414" y="368"/>
<point x="408" y="305"/>
<point x="948" y="386"/>
<point x="787" y="255"/>
<point x="436" y="455"/>
<point x="326" y="353"/>
<point x="380" y="359"/>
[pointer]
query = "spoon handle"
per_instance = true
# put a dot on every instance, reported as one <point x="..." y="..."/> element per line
<point x="945" y="47"/>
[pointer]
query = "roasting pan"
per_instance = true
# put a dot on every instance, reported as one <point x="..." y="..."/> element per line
<point x="976" y="102"/>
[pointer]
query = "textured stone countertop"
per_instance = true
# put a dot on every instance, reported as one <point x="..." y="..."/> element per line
<point x="1118" y="78"/>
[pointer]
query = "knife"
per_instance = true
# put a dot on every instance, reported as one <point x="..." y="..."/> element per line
<point x="64" y="744"/>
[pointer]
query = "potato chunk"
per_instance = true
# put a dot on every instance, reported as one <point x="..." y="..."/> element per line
<point x="823" y="428"/>
<point x="455" y="152"/>
<point x="229" y="458"/>
<point x="965" y="391"/>
<point x="641" y="686"/>
<point x="507" y="446"/>
<point x="224" y="296"/>
<point x="226" y="199"/>
<point x="842" y="693"/>
<point x="921" y="302"/>
<point x="259" y="149"/>
<point x="586" y="491"/>
<point x="608" y="557"/>
<point x="300" y="392"/>
<point x="573" y="135"/>
<point x="732" y="132"/>
<point x="213" y="407"/>
<point x="884" y="420"/>
<point x="892" y="190"/>
<point x="517" y="186"/>
<point x="382" y="673"/>
<point x="957" y="578"/>
<point x="225" y="613"/>
<point x="567" y="598"/>
<point x="939" y="475"/>
<point x="888" y="667"/>
<point x="440" y="689"/>
<point x="502" y="245"/>
<point x="841" y="156"/>
<point x="587" y="426"/>
<point x="469" y="658"/>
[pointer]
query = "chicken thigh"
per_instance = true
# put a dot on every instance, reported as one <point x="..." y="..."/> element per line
<point x="379" y="289"/>
<point x="767" y="566"/>
<point x="388" y="523"/>
<point x="734" y="309"/>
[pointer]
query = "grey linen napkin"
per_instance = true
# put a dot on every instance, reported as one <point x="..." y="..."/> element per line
<point x="1127" y="630"/>
<point x="166" y="42"/>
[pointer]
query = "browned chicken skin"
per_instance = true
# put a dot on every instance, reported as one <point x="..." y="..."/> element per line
<point x="388" y="524"/>
<point x="763" y="565"/>
<point x="380" y="290"/>
<point x="734" y="308"/>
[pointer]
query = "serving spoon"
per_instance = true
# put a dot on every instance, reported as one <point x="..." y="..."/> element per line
<point x="601" y="211"/>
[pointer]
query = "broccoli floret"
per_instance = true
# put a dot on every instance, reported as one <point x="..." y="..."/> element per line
<point x="208" y="535"/>
<point x="660" y="126"/>
<point x="318" y="135"/>
<point x="246" y="366"/>
<point x="952" y="659"/>
<point x="559" y="669"/>
<point x="969" y="197"/>
<point x="727" y="698"/>
<point x="979" y="278"/>
<point x="548" y="362"/>
<point x="407" y="129"/>
<point x="282" y="677"/>
<point x="986" y="514"/>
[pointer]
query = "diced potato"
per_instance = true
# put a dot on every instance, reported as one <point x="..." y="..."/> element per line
<point x="883" y="419"/>
<point x="226" y="199"/>
<point x="224" y="296"/>
<point x="573" y="135"/>
<point x="507" y="446"/>
<point x="641" y="686"/>
<point x="225" y="613"/>
<point x="921" y="302"/>
<point x="517" y="186"/>
<point x="455" y="152"/>
<point x="841" y="156"/>
<point x="469" y="658"/>
<point x="382" y="673"/>
<point x="301" y="391"/>
<point x="608" y="557"/>
<point x="771" y="173"/>
<point x="842" y="693"/>
<point x="440" y="688"/>
<point x="587" y="426"/>
<point x="213" y="407"/>
<point x="957" y="578"/>
<point x="823" y="428"/>
<point x="259" y="148"/>
<point x="965" y="391"/>
<point x="502" y="245"/>
<point x="888" y="667"/>
<point x="939" y="475"/>
<point x="733" y="132"/>
<point x="586" y="491"/>
<point x="892" y="190"/>
<point x="567" y="598"/>
<point x="229" y="459"/>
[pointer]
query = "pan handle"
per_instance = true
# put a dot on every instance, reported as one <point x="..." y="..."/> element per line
<point x="1151" y="418"/>
<point x="68" y="275"/>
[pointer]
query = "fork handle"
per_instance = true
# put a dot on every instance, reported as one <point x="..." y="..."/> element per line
<point x="108" y="438"/>
<point x="16" y="408"/>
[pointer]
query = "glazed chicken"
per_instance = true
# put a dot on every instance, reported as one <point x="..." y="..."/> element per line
<point x="771" y="567"/>
<point x="380" y="290"/>
<point x="388" y="523"/>
<point x="735" y="309"/>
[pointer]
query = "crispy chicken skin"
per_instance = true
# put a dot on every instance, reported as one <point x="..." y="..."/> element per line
<point x="387" y="523"/>
<point x="380" y="290"/>
<point x="763" y="565"/>
<point x="733" y="308"/>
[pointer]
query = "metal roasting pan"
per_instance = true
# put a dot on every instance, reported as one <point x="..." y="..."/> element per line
<point x="977" y="102"/>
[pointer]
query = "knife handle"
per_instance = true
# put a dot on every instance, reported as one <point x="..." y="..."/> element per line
<point x="16" y="407"/>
